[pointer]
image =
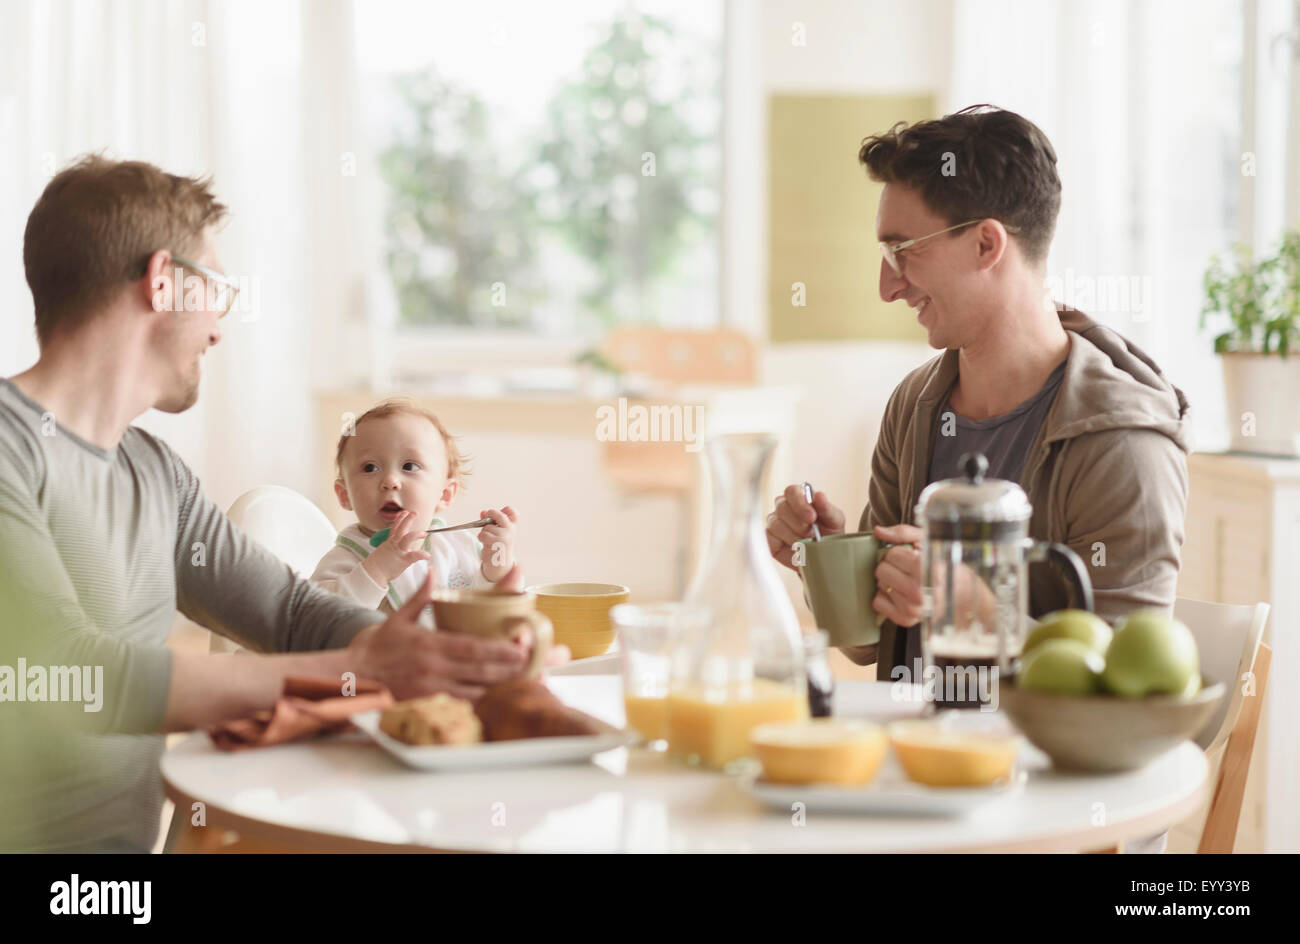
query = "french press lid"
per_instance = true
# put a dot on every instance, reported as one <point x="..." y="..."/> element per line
<point x="973" y="508"/>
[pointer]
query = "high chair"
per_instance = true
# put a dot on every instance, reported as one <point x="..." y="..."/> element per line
<point x="288" y="525"/>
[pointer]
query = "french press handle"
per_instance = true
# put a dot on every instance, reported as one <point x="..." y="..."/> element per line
<point x="1076" y="574"/>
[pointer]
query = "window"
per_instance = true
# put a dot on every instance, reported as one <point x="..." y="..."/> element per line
<point x="546" y="169"/>
<point x="1144" y="105"/>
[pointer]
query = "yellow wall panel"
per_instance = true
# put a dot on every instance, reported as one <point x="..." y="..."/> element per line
<point x="823" y="218"/>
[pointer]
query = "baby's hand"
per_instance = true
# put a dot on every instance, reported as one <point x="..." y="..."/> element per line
<point x="405" y="546"/>
<point x="498" y="540"/>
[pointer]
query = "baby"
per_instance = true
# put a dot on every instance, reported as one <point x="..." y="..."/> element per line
<point x="397" y="468"/>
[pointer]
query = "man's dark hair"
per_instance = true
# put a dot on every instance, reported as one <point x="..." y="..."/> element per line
<point x="981" y="162"/>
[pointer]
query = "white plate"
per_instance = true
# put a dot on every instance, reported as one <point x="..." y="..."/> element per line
<point x="521" y="753"/>
<point x="606" y="664"/>
<point x="891" y="793"/>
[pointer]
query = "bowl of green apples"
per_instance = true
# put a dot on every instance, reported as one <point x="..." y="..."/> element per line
<point x="1093" y="698"/>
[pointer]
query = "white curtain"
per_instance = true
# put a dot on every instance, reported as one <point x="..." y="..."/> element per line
<point x="257" y="94"/>
<point x="1143" y="103"/>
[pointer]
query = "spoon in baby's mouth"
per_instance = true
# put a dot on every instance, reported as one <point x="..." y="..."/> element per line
<point x="380" y="536"/>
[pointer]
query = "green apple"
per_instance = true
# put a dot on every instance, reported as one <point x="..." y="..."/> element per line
<point x="1193" y="686"/>
<point x="1151" y="654"/>
<point x="1089" y="628"/>
<point x="1062" y="667"/>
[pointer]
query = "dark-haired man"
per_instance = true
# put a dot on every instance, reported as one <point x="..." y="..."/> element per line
<point x="1082" y="419"/>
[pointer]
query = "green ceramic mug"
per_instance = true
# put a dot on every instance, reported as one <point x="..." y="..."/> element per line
<point x="839" y="579"/>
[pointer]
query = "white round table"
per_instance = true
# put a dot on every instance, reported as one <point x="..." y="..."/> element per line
<point x="346" y="794"/>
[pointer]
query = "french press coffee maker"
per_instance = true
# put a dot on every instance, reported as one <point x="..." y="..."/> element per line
<point x="975" y="548"/>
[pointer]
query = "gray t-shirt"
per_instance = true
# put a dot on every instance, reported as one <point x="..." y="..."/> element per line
<point x="98" y="550"/>
<point x="1005" y="440"/>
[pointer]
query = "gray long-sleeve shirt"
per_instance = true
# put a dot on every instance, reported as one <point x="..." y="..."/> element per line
<point x="98" y="550"/>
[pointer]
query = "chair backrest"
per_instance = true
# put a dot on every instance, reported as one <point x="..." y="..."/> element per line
<point x="1228" y="638"/>
<point x="1219" y="834"/>
<point x="288" y="525"/>
<point x="721" y="356"/>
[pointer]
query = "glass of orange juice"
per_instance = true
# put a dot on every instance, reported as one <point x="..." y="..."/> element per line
<point x="646" y="635"/>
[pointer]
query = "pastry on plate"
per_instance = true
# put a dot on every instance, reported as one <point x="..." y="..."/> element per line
<point x="435" y="719"/>
<point x="526" y="708"/>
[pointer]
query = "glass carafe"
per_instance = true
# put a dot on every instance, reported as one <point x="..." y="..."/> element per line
<point x="744" y="665"/>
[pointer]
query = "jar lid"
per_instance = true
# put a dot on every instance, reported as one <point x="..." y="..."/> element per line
<point x="971" y="507"/>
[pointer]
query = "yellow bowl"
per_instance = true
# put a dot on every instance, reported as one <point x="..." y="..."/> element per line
<point x="580" y="611"/>
<point x="586" y="652"/>
<point x="940" y="756"/>
<point x="585" y="639"/>
<point x="821" y="750"/>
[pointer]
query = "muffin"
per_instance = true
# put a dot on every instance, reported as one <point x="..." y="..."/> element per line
<point x="436" y="719"/>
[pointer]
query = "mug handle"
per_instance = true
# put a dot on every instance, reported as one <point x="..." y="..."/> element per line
<point x="1076" y="574"/>
<point x="543" y="636"/>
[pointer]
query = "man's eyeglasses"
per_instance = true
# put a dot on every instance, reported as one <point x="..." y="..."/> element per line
<point x="892" y="251"/>
<point x="223" y="298"/>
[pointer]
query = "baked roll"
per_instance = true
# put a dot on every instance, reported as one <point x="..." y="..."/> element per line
<point x="435" y="719"/>
<point x="526" y="708"/>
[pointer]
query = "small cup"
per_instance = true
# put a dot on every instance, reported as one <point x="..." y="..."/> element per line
<point x="647" y="634"/>
<point x="494" y="614"/>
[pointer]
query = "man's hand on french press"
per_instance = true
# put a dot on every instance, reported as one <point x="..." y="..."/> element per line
<point x="793" y="520"/>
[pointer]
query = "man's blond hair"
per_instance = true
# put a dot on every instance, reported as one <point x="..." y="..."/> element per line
<point x="95" y="227"/>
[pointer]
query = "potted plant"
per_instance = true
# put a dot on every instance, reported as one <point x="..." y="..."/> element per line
<point x="1260" y="303"/>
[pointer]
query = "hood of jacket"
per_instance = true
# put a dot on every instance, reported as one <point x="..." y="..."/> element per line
<point x="1110" y="383"/>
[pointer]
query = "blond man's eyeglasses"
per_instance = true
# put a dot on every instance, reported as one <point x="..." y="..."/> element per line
<point x="226" y="287"/>
<point x="892" y="251"/>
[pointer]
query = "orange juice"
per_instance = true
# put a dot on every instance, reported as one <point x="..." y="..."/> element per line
<point x="712" y="726"/>
<point x="648" y="716"/>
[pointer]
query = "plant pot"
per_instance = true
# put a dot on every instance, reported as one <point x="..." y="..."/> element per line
<point x="1263" y="394"/>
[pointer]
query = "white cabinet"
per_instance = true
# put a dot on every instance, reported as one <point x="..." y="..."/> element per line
<point x="1243" y="546"/>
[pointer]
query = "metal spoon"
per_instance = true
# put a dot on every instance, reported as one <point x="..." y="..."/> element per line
<point x="808" y="495"/>
<point x="380" y="536"/>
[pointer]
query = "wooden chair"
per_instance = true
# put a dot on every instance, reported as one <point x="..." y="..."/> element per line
<point x="639" y="469"/>
<point x="722" y="356"/>
<point x="1230" y="640"/>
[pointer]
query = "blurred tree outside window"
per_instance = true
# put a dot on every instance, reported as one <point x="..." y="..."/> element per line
<point x="588" y="199"/>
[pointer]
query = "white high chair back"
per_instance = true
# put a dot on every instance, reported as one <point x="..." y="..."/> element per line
<point x="287" y="524"/>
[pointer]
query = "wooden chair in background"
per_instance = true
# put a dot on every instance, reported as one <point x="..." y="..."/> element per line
<point x="721" y="356"/>
<point x="1230" y="640"/>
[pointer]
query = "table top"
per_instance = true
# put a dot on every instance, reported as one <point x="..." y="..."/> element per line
<point x="345" y="793"/>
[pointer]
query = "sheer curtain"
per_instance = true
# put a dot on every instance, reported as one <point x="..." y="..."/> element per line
<point x="1143" y="103"/>
<point x="255" y="94"/>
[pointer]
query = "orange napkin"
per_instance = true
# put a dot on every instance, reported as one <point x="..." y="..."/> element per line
<point x="307" y="707"/>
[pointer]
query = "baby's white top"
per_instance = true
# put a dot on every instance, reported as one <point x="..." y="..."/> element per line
<point x="454" y="560"/>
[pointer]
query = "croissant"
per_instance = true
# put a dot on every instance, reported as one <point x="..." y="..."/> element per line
<point x="526" y="708"/>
